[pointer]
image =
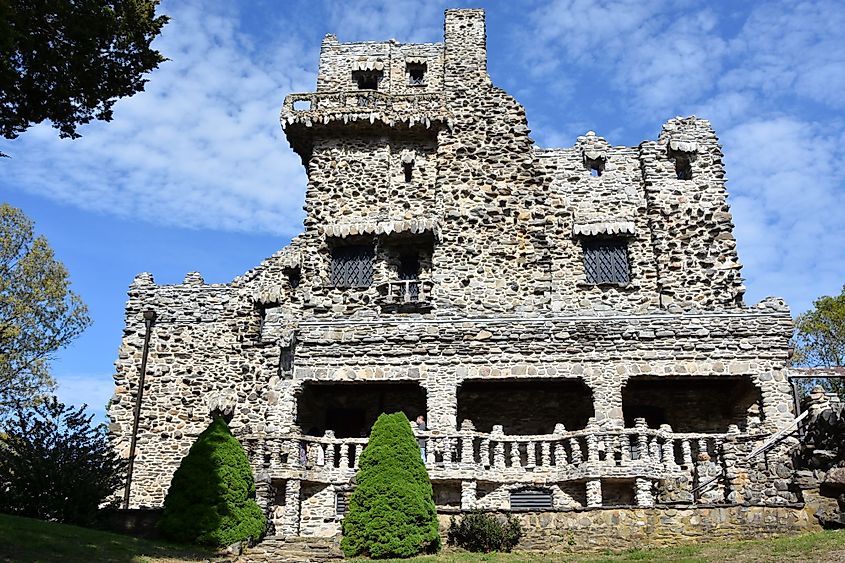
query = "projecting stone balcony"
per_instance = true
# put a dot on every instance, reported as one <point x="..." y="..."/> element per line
<point x="583" y="455"/>
<point x="364" y="106"/>
<point x="405" y="295"/>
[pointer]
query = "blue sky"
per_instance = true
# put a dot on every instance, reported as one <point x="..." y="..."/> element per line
<point x="195" y="173"/>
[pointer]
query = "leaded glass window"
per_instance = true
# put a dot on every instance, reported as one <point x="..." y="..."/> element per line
<point x="352" y="265"/>
<point x="606" y="260"/>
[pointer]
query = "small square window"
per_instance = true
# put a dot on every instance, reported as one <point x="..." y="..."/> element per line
<point x="352" y="265"/>
<point x="606" y="260"/>
<point x="416" y="74"/>
<point x="683" y="168"/>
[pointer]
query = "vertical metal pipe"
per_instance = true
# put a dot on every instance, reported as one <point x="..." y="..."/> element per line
<point x="797" y="403"/>
<point x="149" y="317"/>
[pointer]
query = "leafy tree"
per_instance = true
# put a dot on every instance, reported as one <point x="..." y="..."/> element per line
<point x="39" y="314"/>
<point x="211" y="500"/>
<point x="55" y="465"/>
<point x="820" y="338"/>
<point x="69" y="61"/>
<point x="391" y="511"/>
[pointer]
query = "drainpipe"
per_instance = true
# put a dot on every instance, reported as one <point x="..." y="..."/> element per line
<point x="149" y="317"/>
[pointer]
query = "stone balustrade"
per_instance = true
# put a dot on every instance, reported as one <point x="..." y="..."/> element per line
<point x="406" y="294"/>
<point x="466" y="454"/>
<point x="311" y="108"/>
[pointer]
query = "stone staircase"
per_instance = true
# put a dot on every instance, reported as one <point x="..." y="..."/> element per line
<point x="274" y="549"/>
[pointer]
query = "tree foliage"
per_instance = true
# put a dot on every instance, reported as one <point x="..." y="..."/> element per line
<point x="820" y="338"/>
<point x="69" y="61"/>
<point x="211" y="500"/>
<point x="391" y="511"/>
<point x="55" y="465"/>
<point x="39" y="314"/>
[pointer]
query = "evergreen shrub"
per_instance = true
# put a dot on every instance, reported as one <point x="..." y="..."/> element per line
<point x="211" y="500"/>
<point x="482" y="532"/>
<point x="391" y="511"/>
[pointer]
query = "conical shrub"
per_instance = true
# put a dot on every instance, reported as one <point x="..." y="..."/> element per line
<point x="391" y="511"/>
<point x="211" y="500"/>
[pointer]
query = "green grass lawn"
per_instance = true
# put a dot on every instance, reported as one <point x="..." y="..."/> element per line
<point x="24" y="539"/>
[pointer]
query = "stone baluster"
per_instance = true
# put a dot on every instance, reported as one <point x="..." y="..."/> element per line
<point x="545" y="454"/>
<point x="467" y="443"/>
<point x="453" y="451"/>
<point x="344" y="455"/>
<point x="485" y="452"/>
<point x="515" y="458"/>
<point x="358" y="449"/>
<point x="530" y="455"/>
<point x="290" y="522"/>
<point x="499" y="455"/>
<point x="654" y="449"/>
<point x="330" y="458"/>
<point x="560" y="454"/>
<point x="468" y="494"/>
<point x="575" y="447"/>
<point x="594" y="499"/>
<point x="668" y="446"/>
<point x="642" y="439"/>
<point x="625" y="443"/>
<point x="686" y="452"/>
<point x="592" y="448"/>
<point x="430" y="457"/>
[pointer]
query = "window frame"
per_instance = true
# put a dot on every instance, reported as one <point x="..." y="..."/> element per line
<point x="366" y="254"/>
<point x="597" y="248"/>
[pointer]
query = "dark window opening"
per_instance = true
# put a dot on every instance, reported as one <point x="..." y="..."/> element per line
<point x="683" y="168"/>
<point x="409" y="266"/>
<point x="342" y="503"/>
<point x="287" y="358"/>
<point x="416" y="74"/>
<point x="352" y="265"/>
<point x="531" y="499"/>
<point x="595" y="166"/>
<point x="366" y="79"/>
<point x="606" y="260"/>
<point x="294" y="276"/>
<point x="408" y="169"/>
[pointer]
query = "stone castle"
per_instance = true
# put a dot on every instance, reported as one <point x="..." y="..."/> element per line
<point x="570" y="321"/>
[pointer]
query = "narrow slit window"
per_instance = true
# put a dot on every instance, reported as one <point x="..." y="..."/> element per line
<point x="287" y="358"/>
<point x="294" y="276"/>
<point x="606" y="261"/>
<point x="408" y="170"/>
<point x="352" y="266"/>
<point x="341" y="504"/>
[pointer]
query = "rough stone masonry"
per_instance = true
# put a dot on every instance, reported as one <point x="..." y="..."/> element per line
<point x="570" y="321"/>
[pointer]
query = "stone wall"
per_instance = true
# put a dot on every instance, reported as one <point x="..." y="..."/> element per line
<point x="500" y="227"/>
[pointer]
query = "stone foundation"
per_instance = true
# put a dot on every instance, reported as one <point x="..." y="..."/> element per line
<point x="620" y="528"/>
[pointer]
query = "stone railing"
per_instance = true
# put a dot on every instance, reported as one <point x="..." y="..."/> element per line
<point x="410" y="294"/>
<point x="364" y="105"/>
<point x="497" y="457"/>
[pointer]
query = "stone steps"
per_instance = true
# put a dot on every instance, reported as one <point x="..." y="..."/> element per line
<point x="296" y="549"/>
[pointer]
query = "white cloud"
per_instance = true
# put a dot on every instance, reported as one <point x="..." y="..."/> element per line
<point x="92" y="390"/>
<point x="404" y="20"/>
<point x="201" y="147"/>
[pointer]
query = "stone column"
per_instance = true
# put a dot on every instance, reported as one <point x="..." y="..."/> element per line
<point x="441" y="403"/>
<point x="468" y="494"/>
<point x="607" y="401"/>
<point x="594" y="499"/>
<point x="292" y="512"/>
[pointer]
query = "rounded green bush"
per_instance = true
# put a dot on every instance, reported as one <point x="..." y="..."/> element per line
<point x="211" y="500"/>
<point x="391" y="511"/>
